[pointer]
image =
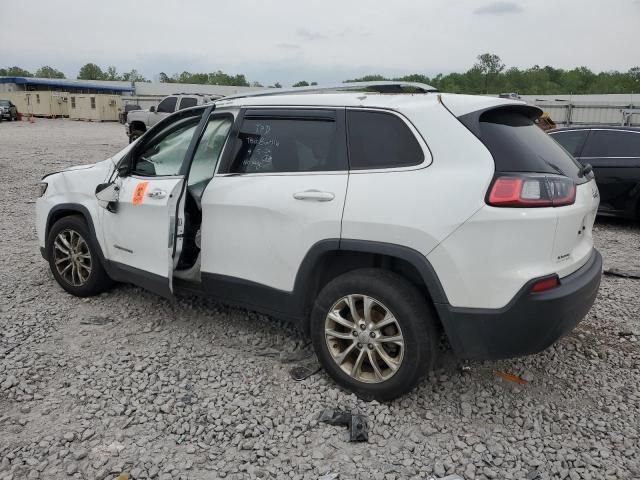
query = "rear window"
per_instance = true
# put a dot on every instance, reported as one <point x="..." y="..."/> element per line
<point x="612" y="143"/>
<point x="518" y="145"/>
<point x="187" y="102"/>
<point x="381" y="140"/>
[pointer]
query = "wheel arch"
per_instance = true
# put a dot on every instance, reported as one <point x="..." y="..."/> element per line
<point x="67" y="209"/>
<point x="330" y="258"/>
<point x="137" y="125"/>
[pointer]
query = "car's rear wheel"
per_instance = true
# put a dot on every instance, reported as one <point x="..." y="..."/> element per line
<point x="73" y="258"/>
<point x="374" y="333"/>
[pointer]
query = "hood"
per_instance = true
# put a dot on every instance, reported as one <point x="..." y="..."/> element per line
<point x="108" y="163"/>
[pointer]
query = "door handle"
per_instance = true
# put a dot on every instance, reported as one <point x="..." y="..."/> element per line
<point x="315" y="195"/>
<point x="157" y="193"/>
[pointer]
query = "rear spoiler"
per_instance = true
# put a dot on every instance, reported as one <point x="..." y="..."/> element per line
<point x="472" y="120"/>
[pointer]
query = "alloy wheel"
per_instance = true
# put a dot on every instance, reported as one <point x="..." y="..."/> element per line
<point x="364" y="338"/>
<point x="72" y="257"/>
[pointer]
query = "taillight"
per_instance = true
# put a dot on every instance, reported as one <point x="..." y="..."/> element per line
<point x="545" y="284"/>
<point x="525" y="190"/>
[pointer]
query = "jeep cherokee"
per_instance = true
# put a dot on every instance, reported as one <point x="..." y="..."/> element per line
<point x="377" y="220"/>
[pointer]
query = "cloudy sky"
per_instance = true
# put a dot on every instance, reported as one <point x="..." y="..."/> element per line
<point x="321" y="40"/>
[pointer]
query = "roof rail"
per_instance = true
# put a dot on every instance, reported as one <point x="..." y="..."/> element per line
<point x="378" y="87"/>
<point x="199" y="94"/>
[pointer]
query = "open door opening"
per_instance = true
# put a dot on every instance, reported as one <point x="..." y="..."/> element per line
<point x="200" y="175"/>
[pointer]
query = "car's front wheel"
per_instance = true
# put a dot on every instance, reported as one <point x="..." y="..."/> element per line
<point x="374" y="333"/>
<point x="73" y="258"/>
<point x="135" y="134"/>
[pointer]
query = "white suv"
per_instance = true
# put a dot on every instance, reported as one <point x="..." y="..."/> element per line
<point x="376" y="221"/>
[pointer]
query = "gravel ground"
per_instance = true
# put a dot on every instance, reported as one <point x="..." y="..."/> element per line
<point x="129" y="382"/>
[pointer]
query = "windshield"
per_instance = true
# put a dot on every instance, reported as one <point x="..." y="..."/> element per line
<point x="5" y="103"/>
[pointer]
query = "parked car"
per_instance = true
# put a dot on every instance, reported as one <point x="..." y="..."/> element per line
<point x="614" y="154"/>
<point x="8" y="110"/>
<point x="376" y="223"/>
<point x="140" y="121"/>
<point x="122" y="116"/>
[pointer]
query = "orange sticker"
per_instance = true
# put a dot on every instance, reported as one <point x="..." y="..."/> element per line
<point x="138" y="193"/>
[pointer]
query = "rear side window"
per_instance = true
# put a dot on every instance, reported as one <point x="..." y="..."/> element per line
<point x="571" y="141"/>
<point x="518" y="145"/>
<point x="381" y="140"/>
<point x="272" y="145"/>
<point x="187" y="102"/>
<point x="168" y="105"/>
<point x="612" y="143"/>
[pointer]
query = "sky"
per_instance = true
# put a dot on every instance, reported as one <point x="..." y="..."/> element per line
<point x="316" y="40"/>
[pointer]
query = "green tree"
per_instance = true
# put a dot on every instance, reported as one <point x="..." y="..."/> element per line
<point x="164" y="78"/>
<point x="111" y="73"/>
<point x="133" y="76"/>
<point x="369" y="78"/>
<point x="49" y="72"/>
<point x="17" y="72"/>
<point x="490" y="65"/>
<point x="302" y="83"/>
<point x="91" y="71"/>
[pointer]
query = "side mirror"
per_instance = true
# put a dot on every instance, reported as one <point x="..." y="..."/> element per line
<point x="152" y="109"/>
<point x="107" y="193"/>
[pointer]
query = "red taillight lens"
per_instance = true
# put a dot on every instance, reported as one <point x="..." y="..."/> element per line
<point x="531" y="191"/>
<point x="545" y="284"/>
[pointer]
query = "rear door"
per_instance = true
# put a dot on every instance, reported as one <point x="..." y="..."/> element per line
<point x="615" y="157"/>
<point x="279" y="190"/>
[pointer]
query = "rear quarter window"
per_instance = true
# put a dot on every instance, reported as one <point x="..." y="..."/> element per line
<point x="381" y="140"/>
<point x="612" y="143"/>
<point x="518" y="145"/>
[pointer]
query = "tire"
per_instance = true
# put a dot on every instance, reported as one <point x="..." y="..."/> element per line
<point x="82" y="281"/>
<point x="415" y="325"/>
<point x="135" y="134"/>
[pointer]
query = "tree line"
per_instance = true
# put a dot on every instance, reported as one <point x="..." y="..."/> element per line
<point x="488" y="75"/>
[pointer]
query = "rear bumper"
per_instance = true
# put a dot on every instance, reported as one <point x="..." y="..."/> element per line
<point x="530" y="323"/>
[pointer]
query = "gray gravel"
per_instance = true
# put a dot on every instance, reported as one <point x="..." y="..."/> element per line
<point x="129" y="382"/>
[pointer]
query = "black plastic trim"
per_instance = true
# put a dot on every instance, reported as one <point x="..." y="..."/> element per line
<point x="292" y="113"/>
<point x="152" y="282"/>
<point x="73" y="208"/>
<point x="415" y="258"/>
<point x="293" y="305"/>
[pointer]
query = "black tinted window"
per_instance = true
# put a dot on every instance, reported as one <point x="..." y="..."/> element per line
<point x="612" y="143"/>
<point x="571" y="141"/>
<point x="267" y="145"/>
<point x="518" y="145"/>
<point x="168" y="105"/>
<point x="187" y="102"/>
<point x="381" y="140"/>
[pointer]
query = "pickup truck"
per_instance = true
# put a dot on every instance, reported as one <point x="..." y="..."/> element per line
<point x="139" y="121"/>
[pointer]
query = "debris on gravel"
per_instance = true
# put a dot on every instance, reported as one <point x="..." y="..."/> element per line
<point x="130" y="385"/>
